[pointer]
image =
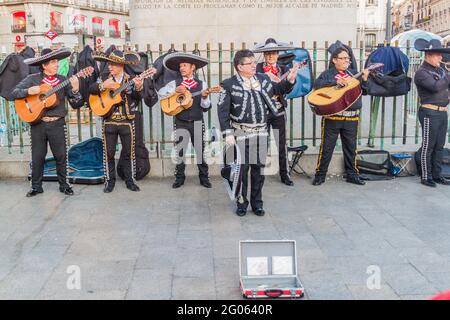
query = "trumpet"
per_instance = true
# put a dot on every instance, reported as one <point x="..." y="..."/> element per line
<point x="446" y="65"/>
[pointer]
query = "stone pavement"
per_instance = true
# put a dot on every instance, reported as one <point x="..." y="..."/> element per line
<point x="183" y="244"/>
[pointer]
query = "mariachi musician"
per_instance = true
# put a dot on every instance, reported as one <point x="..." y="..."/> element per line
<point x="51" y="129"/>
<point x="270" y="66"/>
<point x="433" y="84"/>
<point x="188" y="125"/>
<point x="344" y="123"/>
<point x="120" y="120"/>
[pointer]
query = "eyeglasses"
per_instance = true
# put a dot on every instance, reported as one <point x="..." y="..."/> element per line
<point x="248" y="63"/>
<point x="343" y="58"/>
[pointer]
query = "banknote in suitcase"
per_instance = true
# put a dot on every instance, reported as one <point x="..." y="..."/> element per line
<point x="268" y="269"/>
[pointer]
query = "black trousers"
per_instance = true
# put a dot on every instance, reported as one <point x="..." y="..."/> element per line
<point x="253" y="152"/>
<point x="331" y="129"/>
<point x="193" y="131"/>
<point x="111" y="132"/>
<point x="434" y="130"/>
<point x="54" y="134"/>
<point x="279" y="123"/>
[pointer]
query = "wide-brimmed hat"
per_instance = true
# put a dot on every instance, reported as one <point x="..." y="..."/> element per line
<point x="48" y="54"/>
<point x="117" y="56"/>
<point x="272" y="45"/>
<point x="172" y="60"/>
<point x="231" y="171"/>
<point x="433" y="45"/>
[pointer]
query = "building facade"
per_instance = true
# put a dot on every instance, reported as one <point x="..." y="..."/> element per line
<point x="428" y="15"/>
<point x="402" y="16"/>
<point x="372" y="22"/>
<point x="75" y="23"/>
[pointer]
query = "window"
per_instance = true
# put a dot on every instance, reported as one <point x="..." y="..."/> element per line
<point x="77" y="23"/>
<point x="371" y="40"/>
<point x="56" y="21"/>
<point x="19" y="22"/>
<point x="114" y="30"/>
<point x="97" y="26"/>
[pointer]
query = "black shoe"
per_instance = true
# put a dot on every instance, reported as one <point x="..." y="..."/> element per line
<point x="205" y="183"/>
<point x="259" y="212"/>
<point x="241" y="212"/>
<point x="428" y="183"/>
<point x="287" y="181"/>
<point x="442" y="181"/>
<point x="355" y="180"/>
<point x="66" y="190"/>
<point x="109" y="186"/>
<point x="34" y="192"/>
<point x="178" y="183"/>
<point x="133" y="187"/>
<point x="318" y="180"/>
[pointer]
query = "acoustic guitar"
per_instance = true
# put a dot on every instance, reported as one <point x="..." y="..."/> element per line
<point x="177" y="102"/>
<point x="101" y="104"/>
<point x="31" y="108"/>
<point x="328" y="101"/>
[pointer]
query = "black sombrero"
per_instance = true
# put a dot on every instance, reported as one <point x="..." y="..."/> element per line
<point x="117" y="56"/>
<point x="231" y="171"/>
<point x="172" y="60"/>
<point x="48" y="54"/>
<point x="433" y="45"/>
<point x="272" y="45"/>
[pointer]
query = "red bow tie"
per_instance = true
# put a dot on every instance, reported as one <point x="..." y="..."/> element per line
<point x="271" y="68"/>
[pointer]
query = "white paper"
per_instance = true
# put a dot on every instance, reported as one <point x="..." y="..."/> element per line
<point x="257" y="266"/>
<point x="282" y="265"/>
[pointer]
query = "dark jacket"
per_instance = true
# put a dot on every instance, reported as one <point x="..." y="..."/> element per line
<point x="433" y="85"/>
<point x="281" y="70"/>
<point x="85" y="60"/>
<point x="327" y="79"/>
<point x="130" y="100"/>
<point x="75" y="100"/>
<point x="235" y="103"/>
<point x="13" y="70"/>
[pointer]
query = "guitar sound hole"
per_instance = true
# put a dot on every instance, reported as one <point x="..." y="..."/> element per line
<point x="42" y="97"/>
<point x="111" y="94"/>
<point x="180" y="99"/>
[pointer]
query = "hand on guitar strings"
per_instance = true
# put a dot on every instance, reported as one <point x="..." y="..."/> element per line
<point x="342" y="82"/>
<point x="109" y="84"/>
<point x="34" y="90"/>
<point x="180" y="89"/>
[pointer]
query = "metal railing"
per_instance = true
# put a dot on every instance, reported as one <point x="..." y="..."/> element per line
<point x="384" y="121"/>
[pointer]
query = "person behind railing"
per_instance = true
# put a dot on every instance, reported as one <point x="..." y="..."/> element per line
<point x="433" y="83"/>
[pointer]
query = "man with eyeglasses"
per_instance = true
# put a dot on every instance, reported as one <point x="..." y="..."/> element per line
<point x="344" y="123"/>
<point x="243" y="108"/>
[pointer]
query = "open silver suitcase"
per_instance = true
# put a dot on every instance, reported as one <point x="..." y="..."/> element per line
<point x="268" y="269"/>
